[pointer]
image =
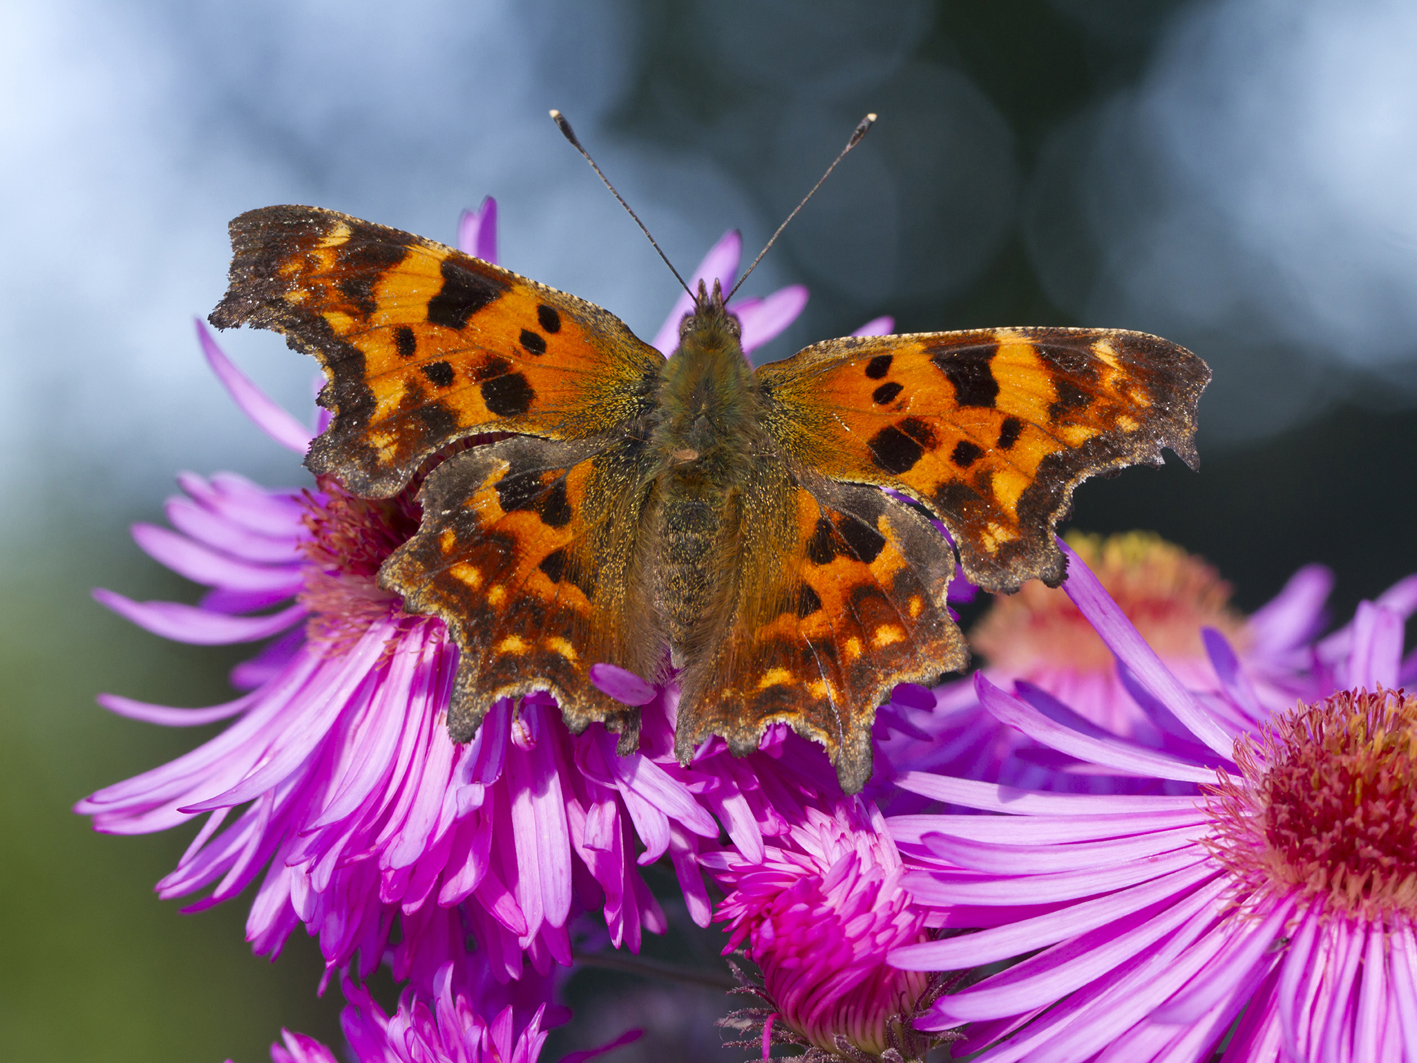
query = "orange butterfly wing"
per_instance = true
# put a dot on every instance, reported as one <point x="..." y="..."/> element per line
<point x="838" y="597"/>
<point x="424" y="345"/>
<point x="991" y="429"/>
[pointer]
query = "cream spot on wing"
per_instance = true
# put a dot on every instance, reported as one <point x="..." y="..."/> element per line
<point x="336" y="236"/>
<point x="561" y="646"/>
<point x="821" y="690"/>
<point x="775" y="677"/>
<point x="916" y="605"/>
<point x="447" y="539"/>
<point x="1104" y="350"/>
<point x="469" y="574"/>
<point x="887" y="634"/>
<point x="513" y="644"/>
<point x="1127" y="424"/>
<point x="852" y="646"/>
<point x="496" y="594"/>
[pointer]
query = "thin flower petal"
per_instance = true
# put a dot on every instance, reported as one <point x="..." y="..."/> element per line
<point x="622" y="685"/>
<point x="265" y="413"/>
<point x="173" y="717"/>
<point x="200" y="564"/>
<point x="477" y="231"/>
<point x="877" y="326"/>
<point x="188" y="623"/>
<point x="1121" y="755"/>
<point x="763" y="320"/>
<point x="1123" y="640"/>
<point x="1376" y="655"/>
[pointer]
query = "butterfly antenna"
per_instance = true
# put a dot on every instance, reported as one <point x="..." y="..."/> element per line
<point x="856" y="136"/>
<point x="569" y="134"/>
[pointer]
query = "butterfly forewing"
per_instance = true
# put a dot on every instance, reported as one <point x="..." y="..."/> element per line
<point x="424" y="345"/>
<point x="991" y="429"/>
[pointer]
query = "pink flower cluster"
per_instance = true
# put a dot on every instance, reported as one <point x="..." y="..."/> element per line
<point x="1121" y="818"/>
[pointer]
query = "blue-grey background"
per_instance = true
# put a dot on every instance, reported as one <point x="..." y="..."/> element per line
<point x="1235" y="175"/>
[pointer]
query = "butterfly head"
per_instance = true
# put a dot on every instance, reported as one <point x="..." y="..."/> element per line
<point x="711" y="324"/>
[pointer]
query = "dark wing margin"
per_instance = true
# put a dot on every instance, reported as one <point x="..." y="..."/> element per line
<point x="423" y="345"/>
<point x="992" y="429"/>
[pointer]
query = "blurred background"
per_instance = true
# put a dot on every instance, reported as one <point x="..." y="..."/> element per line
<point x="1234" y="175"/>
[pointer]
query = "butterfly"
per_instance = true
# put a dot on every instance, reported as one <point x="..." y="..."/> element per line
<point x="766" y="532"/>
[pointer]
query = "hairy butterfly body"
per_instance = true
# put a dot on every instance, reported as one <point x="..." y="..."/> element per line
<point x="640" y="511"/>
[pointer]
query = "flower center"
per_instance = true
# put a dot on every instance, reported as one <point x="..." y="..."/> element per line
<point x="1328" y="805"/>
<point x="1167" y="593"/>
<point x="350" y="537"/>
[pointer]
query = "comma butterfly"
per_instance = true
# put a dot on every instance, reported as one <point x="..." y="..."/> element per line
<point x="628" y="504"/>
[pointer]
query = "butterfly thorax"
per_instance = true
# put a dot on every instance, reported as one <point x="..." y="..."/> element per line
<point x="708" y="422"/>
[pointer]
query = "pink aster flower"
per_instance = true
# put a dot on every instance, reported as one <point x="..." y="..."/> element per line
<point x="460" y="1019"/>
<point x="1276" y="908"/>
<point x="818" y="912"/>
<point x="1039" y="637"/>
<point x="336" y="783"/>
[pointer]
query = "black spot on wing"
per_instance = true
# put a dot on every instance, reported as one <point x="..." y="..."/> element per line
<point x="550" y="320"/>
<point x="554" y="565"/>
<point x="966" y="454"/>
<point x="463" y="294"/>
<point x="533" y="342"/>
<point x="865" y="541"/>
<point x="878" y="366"/>
<point x="886" y="393"/>
<point x="509" y="395"/>
<point x="405" y="342"/>
<point x="365" y="261"/>
<point x="437" y="419"/>
<point x="1009" y="432"/>
<point x="493" y="366"/>
<point x="808" y="601"/>
<point x="897" y="447"/>
<point x="968" y="370"/>
<point x="439" y="373"/>
<point x="1069" y="397"/>
<point x="820" y="547"/>
<point x="555" y="508"/>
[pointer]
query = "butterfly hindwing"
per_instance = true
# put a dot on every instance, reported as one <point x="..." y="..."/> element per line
<point x="991" y="429"/>
<point x="837" y="600"/>
<point x="424" y="345"/>
<point x="524" y="551"/>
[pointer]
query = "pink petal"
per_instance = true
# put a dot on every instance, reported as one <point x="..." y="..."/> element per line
<point x="1377" y="648"/>
<point x="997" y="858"/>
<point x="265" y="414"/>
<point x="943" y="887"/>
<point x="1295" y="614"/>
<point x="1404" y="983"/>
<point x="1248" y="945"/>
<point x="1065" y="968"/>
<point x="993" y="797"/>
<point x="877" y="326"/>
<point x="721" y="263"/>
<point x="765" y="319"/>
<point x="477" y="231"/>
<point x="622" y="685"/>
<point x="1230" y="673"/>
<point x="200" y="564"/>
<point x="187" y="623"/>
<point x="1118" y="754"/>
<point x="1031" y="830"/>
<point x="173" y="717"/>
<point x="1126" y="643"/>
<point x="1401" y="597"/>
<point x="1001" y="943"/>
<point x="212" y="530"/>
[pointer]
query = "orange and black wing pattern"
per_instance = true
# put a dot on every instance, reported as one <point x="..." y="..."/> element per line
<point x="424" y="345"/>
<point x="524" y="552"/>
<point x="839" y="597"/>
<point x="991" y="429"/>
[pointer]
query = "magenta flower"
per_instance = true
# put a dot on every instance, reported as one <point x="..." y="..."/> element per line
<point x="337" y="778"/>
<point x="1038" y="636"/>
<point x="459" y="1020"/>
<point x="818" y="912"/>
<point x="1283" y="897"/>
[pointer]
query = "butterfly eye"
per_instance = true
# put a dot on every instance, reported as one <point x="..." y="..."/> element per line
<point x="687" y="325"/>
<point x="735" y="327"/>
